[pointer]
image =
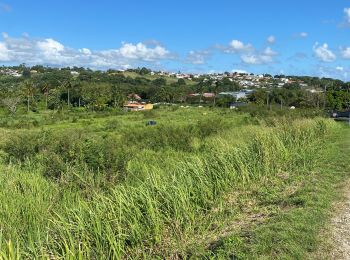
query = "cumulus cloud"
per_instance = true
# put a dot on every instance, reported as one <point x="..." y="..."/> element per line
<point x="51" y="52"/>
<point x="323" y="53"/>
<point x="249" y="55"/>
<point x="346" y="53"/>
<point x="4" y="52"/>
<point x="140" y="51"/>
<point x="237" y="46"/>
<point x="340" y="68"/>
<point x="240" y="71"/>
<point x="271" y="39"/>
<point x="346" y="18"/>
<point x="255" y="59"/>
<point x="347" y="15"/>
<point x="338" y="72"/>
<point x="259" y="58"/>
<point x="269" y="52"/>
<point x="197" y="57"/>
<point x="85" y="51"/>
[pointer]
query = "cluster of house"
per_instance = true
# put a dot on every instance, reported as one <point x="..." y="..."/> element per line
<point x="134" y="103"/>
<point x="10" y="72"/>
<point x="255" y="81"/>
<point x="245" y="80"/>
<point x="234" y="94"/>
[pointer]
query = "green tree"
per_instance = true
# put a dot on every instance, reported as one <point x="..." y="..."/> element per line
<point x="28" y="90"/>
<point x="118" y="96"/>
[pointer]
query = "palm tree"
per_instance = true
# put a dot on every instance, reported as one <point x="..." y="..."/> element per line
<point x="45" y="89"/>
<point x="29" y="90"/>
<point x="216" y="90"/>
<point x="68" y="86"/>
<point x="200" y="89"/>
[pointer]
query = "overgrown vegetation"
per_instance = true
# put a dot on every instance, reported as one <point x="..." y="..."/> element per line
<point x="201" y="183"/>
<point x="44" y="88"/>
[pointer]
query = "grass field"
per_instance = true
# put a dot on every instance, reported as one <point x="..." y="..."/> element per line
<point x="202" y="183"/>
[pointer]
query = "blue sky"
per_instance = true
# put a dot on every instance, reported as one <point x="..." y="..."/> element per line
<point x="291" y="37"/>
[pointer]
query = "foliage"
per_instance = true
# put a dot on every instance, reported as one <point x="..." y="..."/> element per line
<point x="107" y="186"/>
<point x="57" y="89"/>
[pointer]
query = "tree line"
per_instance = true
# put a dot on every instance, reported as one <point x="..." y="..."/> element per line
<point x="56" y="89"/>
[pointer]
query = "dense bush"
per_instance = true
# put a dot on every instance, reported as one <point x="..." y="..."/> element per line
<point x="23" y="146"/>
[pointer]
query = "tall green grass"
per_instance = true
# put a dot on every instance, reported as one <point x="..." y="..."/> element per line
<point x="137" y="193"/>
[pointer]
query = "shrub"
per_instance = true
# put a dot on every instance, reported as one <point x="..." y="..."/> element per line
<point x="23" y="146"/>
<point x="54" y="167"/>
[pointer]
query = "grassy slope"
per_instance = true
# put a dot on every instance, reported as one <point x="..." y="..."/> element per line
<point x="288" y="215"/>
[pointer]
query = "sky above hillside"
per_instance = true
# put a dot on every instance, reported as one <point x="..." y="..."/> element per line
<point x="277" y="37"/>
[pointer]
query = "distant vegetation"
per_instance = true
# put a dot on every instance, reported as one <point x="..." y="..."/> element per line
<point x="40" y="88"/>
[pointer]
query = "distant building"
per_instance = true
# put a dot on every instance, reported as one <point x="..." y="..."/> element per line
<point x="194" y="95"/>
<point x="208" y="95"/>
<point x="236" y="95"/>
<point x="131" y="106"/>
<point x="75" y="73"/>
<point x="11" y="72"/>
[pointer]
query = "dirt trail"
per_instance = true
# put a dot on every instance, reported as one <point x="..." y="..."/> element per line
<point x="340" y="222"/>
<point x="340" y="227"/>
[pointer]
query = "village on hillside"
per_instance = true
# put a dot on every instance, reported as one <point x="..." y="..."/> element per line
<point x="143" y="89"/>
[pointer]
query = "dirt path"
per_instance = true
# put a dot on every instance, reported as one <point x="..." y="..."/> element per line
<point x="340" y="223"/>
<point x="340" y="227"/>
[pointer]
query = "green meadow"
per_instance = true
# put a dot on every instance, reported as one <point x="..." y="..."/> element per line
<point x="202" y="183"/>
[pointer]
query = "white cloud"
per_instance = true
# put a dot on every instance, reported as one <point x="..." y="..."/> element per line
<point x="271" y="39"/>
<point x="140" y="51"/>
<point x="323" y="53"/>
<point x="85" y="51"/>
<point x="237" y="46"/>
<point x="249" y="55"/>
<point x="265" y="57"/>
<point x="347" y="15"/>
<point x="239" y="71"/>
<point x="197" y="57"/>
<point x="340" y="68"/>
<point x="346" y="53"/>
<point x="331" y="72"/>
<point x="269" y="52"/>
<point x="51" y="52"/>
<point x="346" y="19"/>
<point x="4" y="52"/>
<point x="256" y="59"/>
